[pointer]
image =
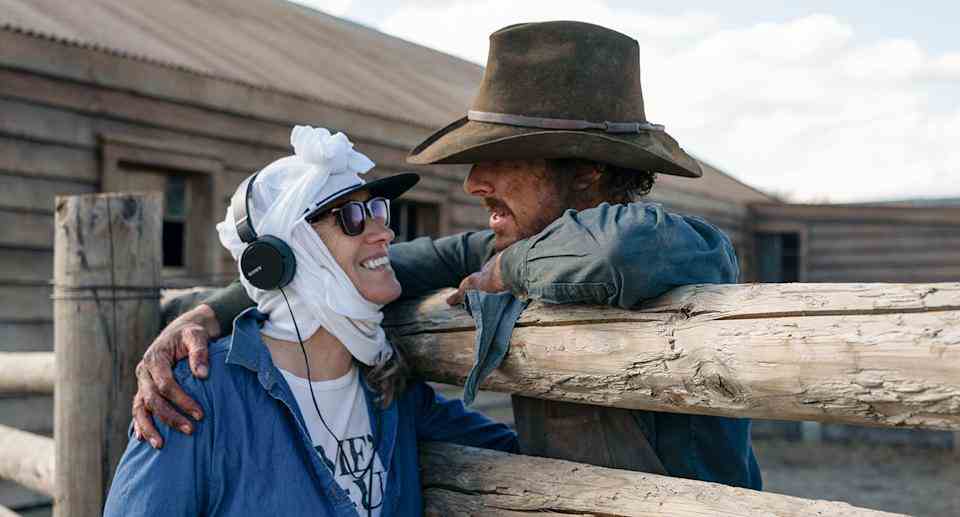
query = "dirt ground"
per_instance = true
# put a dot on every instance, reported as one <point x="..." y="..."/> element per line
<point x="912" y="480"/>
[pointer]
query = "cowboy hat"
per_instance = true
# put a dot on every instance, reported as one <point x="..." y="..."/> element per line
<point x="559" y="89"/>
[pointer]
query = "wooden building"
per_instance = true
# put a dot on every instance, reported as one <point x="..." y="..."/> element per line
<point x="191" y="97"/>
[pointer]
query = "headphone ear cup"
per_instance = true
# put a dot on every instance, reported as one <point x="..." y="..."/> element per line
<point x="268" y="263"/>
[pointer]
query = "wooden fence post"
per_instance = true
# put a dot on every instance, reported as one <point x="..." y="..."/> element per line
<point x="107" y="259"/>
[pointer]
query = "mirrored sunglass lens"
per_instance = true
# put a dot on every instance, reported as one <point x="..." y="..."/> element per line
<point x="352" y="217"/>
<point x="380" y="210"/>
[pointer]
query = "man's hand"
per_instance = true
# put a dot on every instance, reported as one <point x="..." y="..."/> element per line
<point x="185" y="337"/>
<point x="489" y="279"/>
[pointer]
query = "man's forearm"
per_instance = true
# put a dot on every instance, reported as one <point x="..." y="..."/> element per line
<point x="424" y="265"/>
<point x="224" y="305"/>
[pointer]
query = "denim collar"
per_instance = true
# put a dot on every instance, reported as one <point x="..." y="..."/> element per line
<point x="248" y="350"/>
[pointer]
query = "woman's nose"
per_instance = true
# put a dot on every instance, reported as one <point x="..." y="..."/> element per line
<point x="479" y="182"/>
<point x="376" y="232"/>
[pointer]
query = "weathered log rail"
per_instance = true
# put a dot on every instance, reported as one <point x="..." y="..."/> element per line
<point x="27" y="372"/>
<point x="28" y="459"/>
<point x="864" y="354"/>
<point x="467" y="481"/>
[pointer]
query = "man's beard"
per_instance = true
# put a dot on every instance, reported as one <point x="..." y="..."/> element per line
<point x="522" y="229"/>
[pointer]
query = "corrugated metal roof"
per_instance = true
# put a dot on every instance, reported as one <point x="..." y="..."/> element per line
<point x="268" y="43"/>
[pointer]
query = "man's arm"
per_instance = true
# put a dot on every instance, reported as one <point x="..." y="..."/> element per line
<point x="618" y="255"/>
<point x="442" y="420"/>
<point x="615" y="255"/>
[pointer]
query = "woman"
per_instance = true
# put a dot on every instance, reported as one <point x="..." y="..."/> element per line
<point x="307" y="412"/>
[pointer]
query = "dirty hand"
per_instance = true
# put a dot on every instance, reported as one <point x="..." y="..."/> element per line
<point x="185" y="337"/>
<point x="489" y="279"/>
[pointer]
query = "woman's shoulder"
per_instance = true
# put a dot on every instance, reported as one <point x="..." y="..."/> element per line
<point x="218" y="375"/>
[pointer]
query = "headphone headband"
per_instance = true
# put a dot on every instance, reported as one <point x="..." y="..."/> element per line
<point x="241" y="214"/>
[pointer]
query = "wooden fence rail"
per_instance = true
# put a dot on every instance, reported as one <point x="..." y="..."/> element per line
<point x="28" y="459"/>
<point x="27" y="372"/>
<point x="467" y="481"/>
<point x="864" y="354"/>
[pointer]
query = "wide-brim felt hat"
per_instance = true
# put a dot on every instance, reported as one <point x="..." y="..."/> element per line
<point x="559" y="89"/>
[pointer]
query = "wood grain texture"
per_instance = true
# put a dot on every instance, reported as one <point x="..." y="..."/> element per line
<point x="865" y="354"/>
<point x="107" y="277"/>
<point x="26" y="230"/>
<point x="47" y="160"/>
<point x="29" y="266"/>
<point x="467" y="481"/>
<point x="30" y="372"/>
<point x="28" y="459"/>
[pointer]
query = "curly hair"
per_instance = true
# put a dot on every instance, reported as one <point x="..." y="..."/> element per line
<point x="617" y="184"/>
<point x="387" y="379"/>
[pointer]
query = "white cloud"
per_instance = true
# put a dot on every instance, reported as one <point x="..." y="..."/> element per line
<point x="801" y="106"/>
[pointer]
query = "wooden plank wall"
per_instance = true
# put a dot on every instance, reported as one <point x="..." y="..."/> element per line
<point x="873" y="244"/>
<point x="51" y="130"/>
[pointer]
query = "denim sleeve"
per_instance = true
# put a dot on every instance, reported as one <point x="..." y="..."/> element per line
<point x="618" y="255"/>
<point x="176" y="480"/>
<point x="424" y="265"/>
<point x="442" y="420"/>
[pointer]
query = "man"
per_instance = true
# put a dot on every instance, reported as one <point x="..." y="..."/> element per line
<point x="558" y="124"/>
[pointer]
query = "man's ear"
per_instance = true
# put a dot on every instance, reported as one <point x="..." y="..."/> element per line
<point x="587" y="176"/>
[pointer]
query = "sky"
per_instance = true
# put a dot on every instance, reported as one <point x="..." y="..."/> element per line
<point x="815" y="101"/>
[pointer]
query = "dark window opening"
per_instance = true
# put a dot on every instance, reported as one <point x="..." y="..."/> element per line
<point x="778" y="257"/>
<point x="412" y="219"/>
<point x="173" y="244"/>
<point x="174" y="221"/>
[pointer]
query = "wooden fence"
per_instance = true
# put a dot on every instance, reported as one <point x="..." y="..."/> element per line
<point x="869" y="354"/>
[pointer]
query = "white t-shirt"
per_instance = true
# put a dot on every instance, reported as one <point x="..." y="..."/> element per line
<point x="344" y="408"/>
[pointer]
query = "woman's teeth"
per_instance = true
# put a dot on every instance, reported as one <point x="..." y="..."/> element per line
<point x="377" y="263"/>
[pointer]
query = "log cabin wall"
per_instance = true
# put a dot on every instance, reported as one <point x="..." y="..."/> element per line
<point x="865" y="243"/>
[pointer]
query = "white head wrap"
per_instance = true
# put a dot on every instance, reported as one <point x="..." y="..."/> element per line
<point x="320" y="294"/>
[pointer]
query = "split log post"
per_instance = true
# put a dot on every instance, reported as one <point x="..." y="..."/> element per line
<point x="461" y="480"/>
<point x="107" y="259"/>
<point x="883" y="355"/>
<point x="27" y="372"/>
<point x="27" y="459"/>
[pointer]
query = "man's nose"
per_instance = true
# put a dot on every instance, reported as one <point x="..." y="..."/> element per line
<point x="479" y="182"/>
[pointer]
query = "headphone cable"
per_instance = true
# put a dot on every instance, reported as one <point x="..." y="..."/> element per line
<point x="316" y="406"/>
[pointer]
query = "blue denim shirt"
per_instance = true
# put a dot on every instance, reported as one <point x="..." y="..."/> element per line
<point x="252" y="453"/>
<point x="617" y="255"/>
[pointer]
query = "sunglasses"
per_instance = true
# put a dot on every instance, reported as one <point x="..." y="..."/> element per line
<point x="352" y="216"/>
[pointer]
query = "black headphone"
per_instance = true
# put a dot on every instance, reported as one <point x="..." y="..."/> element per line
<point x="268" y="262"/>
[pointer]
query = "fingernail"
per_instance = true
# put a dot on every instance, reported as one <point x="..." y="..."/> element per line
<point x="185" y="429"/>
<point x="197" y="415"/>
<point x="201" y="370"/>
<point x="155" y="443"/>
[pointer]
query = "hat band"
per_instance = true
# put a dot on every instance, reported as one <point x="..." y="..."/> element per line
<point x="560" y="123"/>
